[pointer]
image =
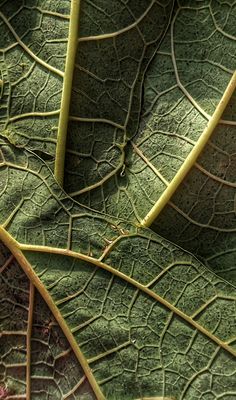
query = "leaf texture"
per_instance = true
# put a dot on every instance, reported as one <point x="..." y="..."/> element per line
<point x="93" y="303"/>
<point x="33" y="352"/>
<point x="33" y="42"/>
<point x="203" y="208"/>
<point x="178" y="100"/>
<point x="140" y="309"/>
<point x="107" y="87"/>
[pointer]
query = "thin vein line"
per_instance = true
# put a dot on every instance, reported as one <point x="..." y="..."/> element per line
<point x="214" y="177"/>
<point x="223" y="33"/>
<point x="34" y="114"/>
<point x="99" y="120"/>
<point x="145" y="159"/>
<point x="7" y="263"/>
<point x="28" y="51"/>
<point x="193" y="221"/>
<point x="123" y="30"/>
<point x="28" y="340"/>
<point x="53" y="13"/>
<point x="111" y="351"/>
<point x="68" y="394"/>
<point x="13" y="333"/>
<point x="104" y="179"/>
<point x="227" y="122"/>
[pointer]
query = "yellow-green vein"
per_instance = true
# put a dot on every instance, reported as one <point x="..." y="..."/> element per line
<point x="14" y="247"/>
<point x="192" y="157"/>
<point x="66" y="91"/>
<point x="133" y="282"/>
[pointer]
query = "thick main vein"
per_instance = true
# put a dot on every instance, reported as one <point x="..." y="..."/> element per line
<point x="15" y="249"/>
<point x="66" y="91"/>
<point x="192" y="157"/>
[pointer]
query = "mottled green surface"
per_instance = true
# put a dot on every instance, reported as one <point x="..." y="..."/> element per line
<point x="135" y="345"/>
<point x="203" y="208"/>
<point x="183" y="84"/>
<point x="33" y="41"/>
<point x="55" y="372"/>
<point x="147" y="78"/>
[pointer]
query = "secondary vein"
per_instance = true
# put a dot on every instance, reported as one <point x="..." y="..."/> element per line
<point x="133" y="282"/>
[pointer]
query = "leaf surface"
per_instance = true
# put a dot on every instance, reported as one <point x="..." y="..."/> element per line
<point x="93" y="303"/>
<point x="33" y="49"/>
<point x="178" y="101"/>
<point x="203" y="207"/>
<point x="140" y="308"/>
<point x="183" y="84"/>
<point x="36" y="358"/>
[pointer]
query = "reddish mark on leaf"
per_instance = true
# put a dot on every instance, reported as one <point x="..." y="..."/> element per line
<point x="46" y="330"/>
<point x="4" y="392"/>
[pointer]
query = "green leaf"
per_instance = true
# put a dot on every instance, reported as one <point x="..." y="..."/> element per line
<point x="203" y="207"/>
<point x="106" y="97"/>
<point x="129" y="177"/>
<point x="130" y="104"/>
<point x="33" y="41"/>
<point x="35" y="354"/>
<point x="134" y="307"/>
<point x="178" y="102"/>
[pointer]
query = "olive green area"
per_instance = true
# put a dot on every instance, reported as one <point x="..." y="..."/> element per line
<point x="151" y="319"/>
<point x="33" y="42"/>
<point x="135" y="323"/>
<point x="134" y="345"/>
<point x="107" y="86"/>
<point x="55" y="372"/>
<point x="203" y="207"/>
<point x="183" y="84"/>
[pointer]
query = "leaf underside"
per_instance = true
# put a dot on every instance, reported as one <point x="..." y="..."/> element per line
<point x="94" y="304"/>
<point x="54" y="369"/>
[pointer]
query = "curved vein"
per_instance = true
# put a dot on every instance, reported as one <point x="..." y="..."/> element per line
<point x="103" y="180"/>
<point x="116" y="33"/>
<point x="34" y="114"/>
<point x="194" y="222"/>
<point x="91" y="120"/>
<point x="151" y="166"/>
<point x="133" y="282"/>
<point x="28" y="51"/>
<point x="214" y="177"/>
